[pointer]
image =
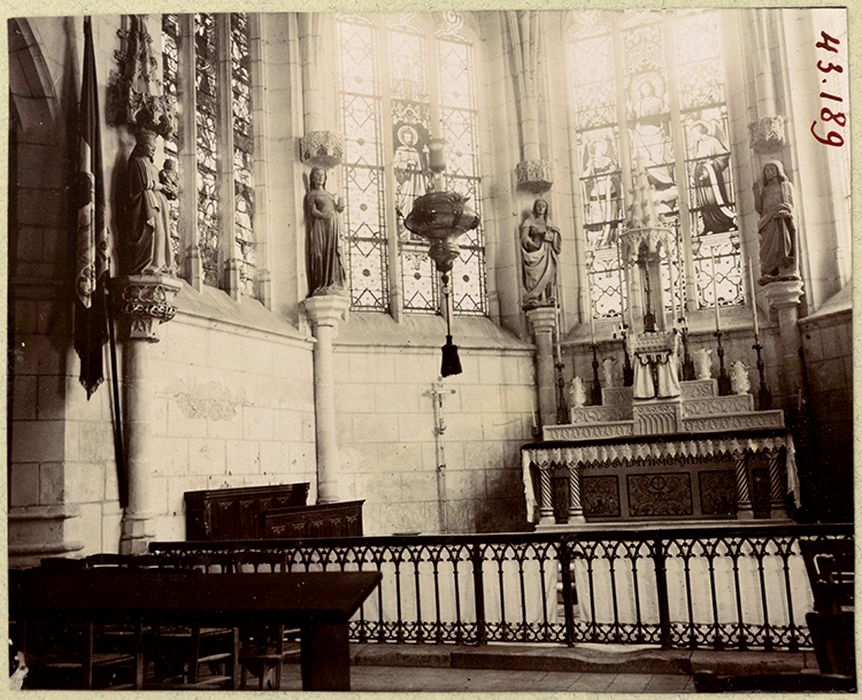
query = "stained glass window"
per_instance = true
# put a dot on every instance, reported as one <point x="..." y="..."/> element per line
<point x="243" y="150"/>
<point x="170" y="43"/>
<point x="642" y="70"/>
<point x="363" y="186"/>
<point x="422" y="72"/>
<point x="206" y="144"/>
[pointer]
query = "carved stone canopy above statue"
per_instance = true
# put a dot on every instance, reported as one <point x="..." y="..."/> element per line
<point x="135" y="95"/>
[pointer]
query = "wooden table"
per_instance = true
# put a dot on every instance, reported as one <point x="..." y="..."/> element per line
<point x="320" y="604"/>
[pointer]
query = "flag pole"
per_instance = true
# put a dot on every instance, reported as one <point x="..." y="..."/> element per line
<point x="117" y="422"/>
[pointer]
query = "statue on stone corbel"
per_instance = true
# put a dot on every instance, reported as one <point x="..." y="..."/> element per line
<point x="322" y="243"/>
<point x="773" y="200"/>
<point x="540" y="247"/>
<point x="146" y="244"/>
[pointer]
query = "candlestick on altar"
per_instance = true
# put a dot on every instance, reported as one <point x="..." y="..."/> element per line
<point x="596" y="392"/>
<point x="715" y="293"/>
<point x="753" y="298"/>
<point x="764" y="396"/>
<point x="723" y="377"/>
<point x="687" y="361"/>
<point x="672" y="292"/>
<point x="562" y="409"/>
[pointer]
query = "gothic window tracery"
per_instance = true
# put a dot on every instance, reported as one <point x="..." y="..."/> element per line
<point x="221" y="121"/>
<point x="646" y="95"/>
<point x="399" y="75"/>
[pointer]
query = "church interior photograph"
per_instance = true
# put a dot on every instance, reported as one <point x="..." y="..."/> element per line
<point x="481" y="350"/>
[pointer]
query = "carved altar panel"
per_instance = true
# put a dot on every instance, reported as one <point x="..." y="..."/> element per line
<point x="718" y="405"/>
<point x="659" y="494"/>
<point x="600" y="414"/>
<point x="656" y="418"/>
<point x="699" y="388"/>
<point x="600" y="496"/>
<point x="586" y="432"/>
<point x="734" y="422"/>
<point x="718" y="492"/>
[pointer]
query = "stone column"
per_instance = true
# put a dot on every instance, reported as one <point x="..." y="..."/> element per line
<point x="142" y="302"/>
<point x="744" y="510"/>
<point x="320" y="145"/>
<point x="777" y="507"/>
<point x="324" y="313"/>
<point x="546" y="498"/>
<point x="543" y="320"/>
<point x="785" y="296"/>
<point x="576" y="511"/>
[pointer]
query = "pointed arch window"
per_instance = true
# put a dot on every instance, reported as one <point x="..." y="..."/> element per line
<point x="206" y="64"/>
<point x="665" y="111"/>
<point x="398" y="77"/>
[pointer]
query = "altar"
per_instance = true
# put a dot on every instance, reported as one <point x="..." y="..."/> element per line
<point x="673" y="444"/>
<point x="699" y="457"/>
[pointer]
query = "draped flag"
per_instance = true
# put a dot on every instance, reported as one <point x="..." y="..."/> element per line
<point x="92" y="244"/>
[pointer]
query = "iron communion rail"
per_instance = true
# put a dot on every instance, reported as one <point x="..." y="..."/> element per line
<point x="724" y="587"/>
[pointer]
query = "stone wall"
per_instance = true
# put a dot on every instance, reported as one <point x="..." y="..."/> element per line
<point x="386" y="424"/>
<point x="828" y="346"/>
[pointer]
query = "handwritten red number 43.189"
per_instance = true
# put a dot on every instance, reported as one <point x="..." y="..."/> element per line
<point x="832" y="138"/>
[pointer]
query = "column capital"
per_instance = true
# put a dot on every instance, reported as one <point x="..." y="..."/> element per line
<point x="767" y="134"/>
<point x="543" y="318"/>
<point x="326" y="309"/>
<point x="322" y="148"/>
<point x="784" y="293"/>
<point x="534" y="176"/>
<point x="143" y="303"/>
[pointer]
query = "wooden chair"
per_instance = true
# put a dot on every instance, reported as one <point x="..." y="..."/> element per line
<point x="830" y="567"/>
<point x="265" y="649"/>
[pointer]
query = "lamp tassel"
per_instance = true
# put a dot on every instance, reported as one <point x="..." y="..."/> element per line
<point x="451" y="363"/>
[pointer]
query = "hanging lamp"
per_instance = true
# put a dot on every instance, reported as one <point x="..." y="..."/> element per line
<point x="441" y="217"/>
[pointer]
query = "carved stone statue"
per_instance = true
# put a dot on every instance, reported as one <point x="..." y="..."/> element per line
<point x="773" y="199"/>
<point x="146" y="247"/>
<point x="608" y="371"/>
<point x="170" y="179"/>
<point x="702" y="363"/>
<point x="577" y="394"/>
<point x="322" y="253"/>
<point x="540" y="246"/>
<point x="739" y="381"/>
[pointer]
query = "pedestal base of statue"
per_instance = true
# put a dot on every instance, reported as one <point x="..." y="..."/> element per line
<point x="698" y="457"/>
<point x="325" y="312"/>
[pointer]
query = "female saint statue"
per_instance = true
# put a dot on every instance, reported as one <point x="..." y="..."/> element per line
<point x="322" y="255"/>
<point x="146" y="247"/>
<point x="540" y="246"/>
<point x="773" y="199"/>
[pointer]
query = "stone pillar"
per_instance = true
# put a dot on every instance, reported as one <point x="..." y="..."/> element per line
<point x="320" y="145"/>
<point x="142" y="303"/>
<point x="546" y="498"/>
<point x="324" y="313"/>
<point x="784" y="296"/>
<point x="543" y="320"/>
<point x="576" y="511"/>
<point x="744" y="511"/>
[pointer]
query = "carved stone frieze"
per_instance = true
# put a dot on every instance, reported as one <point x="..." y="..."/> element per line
<point x="767" y="134"/>
<point x="717" y="405"/>
<point x="734" y="422"/>
<point x="652" y="419"/>
<point x="698" y="388"/>
<point x="143" y="303"/>
<point x="534" y="176"/>
<point x="584" y="432"/>
<point x="322" y="148"/>
<point x="599" y="414"/>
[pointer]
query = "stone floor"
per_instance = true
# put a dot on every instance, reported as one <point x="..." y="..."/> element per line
<point x="591" y="668"/>
<point x="400" y="678"/>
